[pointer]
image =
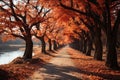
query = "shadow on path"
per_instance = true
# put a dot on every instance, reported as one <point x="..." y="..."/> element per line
<point x="55" y="72"/>
<point x="60" y="67"/>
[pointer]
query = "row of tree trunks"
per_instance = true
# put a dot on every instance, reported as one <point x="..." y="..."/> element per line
<point x="85" y="44"/>
<point x="29" y="46"/>
<point x="104" y="21"/>
<point x="51" y="46"/>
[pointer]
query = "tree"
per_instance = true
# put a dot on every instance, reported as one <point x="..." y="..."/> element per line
<point x="40" y="28"/>
<point x="50" y="30"/>
<point x="111" y="32"/>
<point x="40" y="33"/>
<point x="18" y="19"/>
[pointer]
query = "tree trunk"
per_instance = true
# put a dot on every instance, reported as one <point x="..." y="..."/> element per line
<point x="50" y="45"/>
<point x="81" y="44"/>
<point x="75" y="44"/>
<point x="54" y="45"/>
<point x="60" y="45"/>
<point x="89" y="43"/>
<point x="85" y="46"/>
<point x="111" y="59"/>
<point x="98" y="45"/>
<point x="28" y="49"/>
<point x="43" y="49"/>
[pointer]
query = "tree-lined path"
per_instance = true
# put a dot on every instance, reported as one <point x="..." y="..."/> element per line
<point x="91" y="28"/>
<point x="60" y="67"/>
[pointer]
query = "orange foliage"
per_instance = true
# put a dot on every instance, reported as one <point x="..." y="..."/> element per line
<point x="58" y="25"/>
<point x="7" y="38"/>
<point x="64" y="19"/>
<point x="19" y="17"/>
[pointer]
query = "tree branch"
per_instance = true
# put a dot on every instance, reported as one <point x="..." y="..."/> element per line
<point x="15" y="35"/>
<point x="72" y="9"/>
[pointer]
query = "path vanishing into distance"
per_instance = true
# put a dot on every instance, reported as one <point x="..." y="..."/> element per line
<point x="59" y="67"/>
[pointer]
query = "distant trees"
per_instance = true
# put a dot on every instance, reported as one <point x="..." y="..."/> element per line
<point x="49" y="33"/>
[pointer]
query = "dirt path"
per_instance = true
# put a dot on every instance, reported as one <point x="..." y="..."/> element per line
<point x="59" y="68"/>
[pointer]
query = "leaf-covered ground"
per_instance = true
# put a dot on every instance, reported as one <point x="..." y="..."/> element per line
<point x="19" y="69"/>
<point x="91" y="69"/>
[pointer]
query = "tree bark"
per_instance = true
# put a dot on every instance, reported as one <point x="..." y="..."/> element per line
<point x="54" y="45"/>
<point x="81" y="44"/>
<point x="76" y="44"/>
<point x="89" y="43"/>
<point x="98" y="45"/>
<point x="50" y="45"/>
<point x="43" y="49"/>
<point x="85" y="46"/>
<point x="111" y="59"/>
<point x="28" y="49"/>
